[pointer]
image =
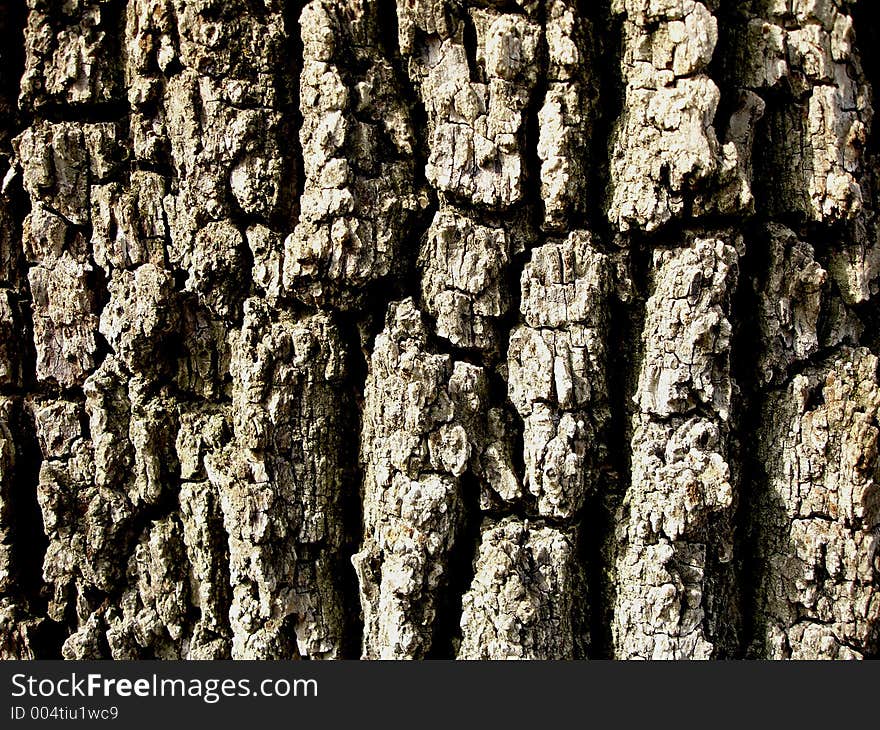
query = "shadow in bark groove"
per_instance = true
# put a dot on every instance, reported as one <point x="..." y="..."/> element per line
<point x="29" y="541"/>
<point x="295" y="183"/>
<point x="460" y="573"/>
<point x="597" y="518"/>
<point x="867" y="32"/>
<point x="608" y="54"/>
<point x="352" y="496"/>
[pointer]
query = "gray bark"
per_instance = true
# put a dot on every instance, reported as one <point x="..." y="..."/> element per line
<point x="439" y="328"/>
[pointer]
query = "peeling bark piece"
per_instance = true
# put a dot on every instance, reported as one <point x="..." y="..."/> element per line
<point x="202" y="429"/>
<point x="58" y="429"/>
<point x="733" y="191"/>
<point x="152" y="428"/>
<point x="494" y="464"/>
<point x="55" y="168"/>
<point x="108" y="408"/>
<point x="10" y="233"/>
<point x="666" y="150"/>
<point x="85" y="642"/>
<point x="475" y="106"/>
<point x="854" y="261"/>
<point x="18" y="632"/>
<point x="526" y="598"/>
<point x="791" y="293"/>
<point x="93" y="482"/>
<point x="70" y="55"/>
<point x="153" y="610"/>
<point x="818" y="517"/>
<point x="357" y="151"/>
<point x="557" y="371"/>
<point x="687" y="332"/>
<point x="208" y="88"/>
<point x="281" y="486"/>
<point x="10" y="333"/>
<point x="204" y="360"/>
<point x="464" y="279"/>
<point x="141" y="314"/>
<point x="64" y="303"/>
<point x="267" y="250"/>
<point x="674" y="529"/>
<point x="58" y="160"/>
<point x="65" y="321"/>
<point x="214" y="128"/>
<point x="208" y="555"/>
<point x="215" y="269"/>
<point x="128" y="222"/>
<point x="819" y="120"/>
<point x="87" y="527"/>
<point x="565" y="121"/>
<point x="415" y="445"/>
<point x="803" y="58"/>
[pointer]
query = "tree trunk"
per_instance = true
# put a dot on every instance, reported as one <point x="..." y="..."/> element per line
<point x="439" y="328"/>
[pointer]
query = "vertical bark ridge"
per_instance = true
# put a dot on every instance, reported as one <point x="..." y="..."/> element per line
<point x="814" y="281"/>
<point x="680" y="176"/>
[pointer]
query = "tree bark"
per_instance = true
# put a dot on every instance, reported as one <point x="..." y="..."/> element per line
<point x="471" y="329"/>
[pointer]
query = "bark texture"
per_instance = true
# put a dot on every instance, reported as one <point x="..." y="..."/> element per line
<point x="439" y="328"/>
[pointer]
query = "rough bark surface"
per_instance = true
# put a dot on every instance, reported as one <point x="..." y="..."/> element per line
<point x="439" y="328"/>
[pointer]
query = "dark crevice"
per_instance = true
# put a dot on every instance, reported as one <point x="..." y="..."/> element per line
<point x="113" y="52"/>
<point x="295" y="177"/>
<point x="869" y="315"/>
<point x="29" y="541"/>
<point x="608" y="41"/>
<point x="625" y="352"/>
<point x="597" y="518"/>
<point x="726" y="63"/>
<point x="459" y="573"/>
<point x="19" y="206"/>
<point x="602" y="506"/>
<point x="387" y="28"/>
<point x="534" y="201"/>
<point x="745" y="440"/>
<point x="360" y="326"/>
<point x="730" y="586"/>
<point x="90" y="112"/>
<point x="22" y="514"/>
<point x="352" y="494"/>
<point x="780" y="166"/>
<point x="97" y="284"/>
<point x="47" y="638"/>
<point x="405" y="278"/>
<point x="525" y="510"/>
<point x="499" y="397"/>
<point x="103" y="645"/>
<point x="470" y="41"/>
<point x="13" y="17"/>
<point x="867" y="44"/>
<point x="523" y="230"/>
